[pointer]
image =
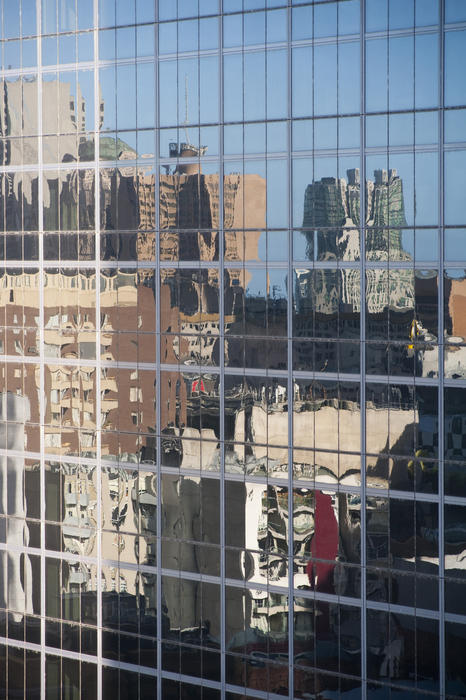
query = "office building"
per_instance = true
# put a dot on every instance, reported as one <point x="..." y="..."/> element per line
<point x="232" y="349"/>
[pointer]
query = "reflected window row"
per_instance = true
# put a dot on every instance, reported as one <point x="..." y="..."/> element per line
<point x="307" y="22"/>
<point x="335" y="18"/>
<point x="17" y="55"/>
<point x="74" y="91"/>
<point x="61" y="49"/>
<point x="189" y="199"/>
<point x="127" y="43"/>
<point x="332" y="192"/>
<point x="246" y="75"/>
<point x="71" y="495"/>
<point x="67" y="48"/>
<point x="402" y="304"/>
<point x="243" y="672"/>
<point x="406" y="128"/>
<point x="403" y="561"/>
<point x="271" y="246"/>
<point x="258" y="408"/>
<point x="403" y="129"/>
<point x="58" y="16"/>
<point x="130" y="494"/>
<point x="20" y="670"/>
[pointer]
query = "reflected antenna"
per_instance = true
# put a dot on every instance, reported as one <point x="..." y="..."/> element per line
<point x="186" y="108"/>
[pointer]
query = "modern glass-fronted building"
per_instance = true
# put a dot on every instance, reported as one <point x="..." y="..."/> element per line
<point x="233" y="349"/>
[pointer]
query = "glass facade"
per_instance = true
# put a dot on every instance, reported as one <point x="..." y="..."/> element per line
<point x="232" y="349"/>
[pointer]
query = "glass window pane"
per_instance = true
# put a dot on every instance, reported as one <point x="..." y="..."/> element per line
<point x="427" y="12"/>
<point x="254" y="86"/>
<point x="427" y="61"/>
<point x="325" y="80"/>
<point x="455" y="183"/>
<point x="376" y="15"/>
<point x="277" y="84"/>
<point x="348" y="17"/>
<point x="455" y="125"/>
<point x="401" y="72"/>
<point x="455" y="79"/>
<point x="400" y="14"/>
<point x="455" y="11"/>
<point x="349" y="86"/>
<point x="233" y="97"/>
<point x="427" y="186"/>
<point x="376" y="75"/>
<point x="302" y="82"/>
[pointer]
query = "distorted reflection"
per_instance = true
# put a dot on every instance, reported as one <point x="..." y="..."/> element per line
<point x="127" y="193"/>
<point x="257" y="639"/>
<point x="384" y="217"/>
<point x="16" y="580"/>
<point x="327" y="306"/>
<point x="190" y="316"/>
<point x="326" y="437"/>
<point x="189" y="200"/>
<point x="127" y="304"/>
<point x="128" y="415"/>
<point x="455" y="553"/>
<point x="402" y="551"/>
<point x="455" y="327"/>
<point x="402" y="308"/>
<point x="455" y="448"/>
<point x="326" y="535"/>
<point x="190" y="423"/>
<point x="71" y="594"/>
<point x="19" y="196"/>
<point x="329" y="214"/>
<point x="401" y="536"/>
<point x="256" y="425"/>
<point x="69" y="314"/>
<point x="402" y="422"/>
<point x="397" y="644"/>
<point x="326" y="546"/>
<point x="127" y="202"/>
<point x="255" y="303"/>
<point x="327" y="640"/>
<point x="68" y="199"/>
<point x="19" y="431"/>
<point x="332" y="204"/>
<point x="191" y="524"/>
<point x="326" y="542"/>
<point x="129" y="515"/>
<point x="70" y="418"/>
<point x="18" y="114"/>
<point x="151" y="504"/>
<point x="191" y="632"/>
<point x="71" y="502"/>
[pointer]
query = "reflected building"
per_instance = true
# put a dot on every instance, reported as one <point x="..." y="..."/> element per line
<point x="232" y="351"/>
<point x="333" y="204"/>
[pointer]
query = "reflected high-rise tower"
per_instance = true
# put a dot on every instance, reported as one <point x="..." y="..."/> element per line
<point x="332" y="206"/>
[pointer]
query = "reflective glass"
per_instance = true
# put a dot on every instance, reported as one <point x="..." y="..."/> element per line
<point x="205" y="430"/>
<point x="455" y="87"/>
<point x="454" y="11"/>
<point x="454" y="175"/>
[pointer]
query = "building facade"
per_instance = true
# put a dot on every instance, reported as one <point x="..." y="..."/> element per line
<point x="232" y="349"/>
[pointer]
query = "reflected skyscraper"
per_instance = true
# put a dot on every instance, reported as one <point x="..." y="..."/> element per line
<point x="232" y="344"/>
